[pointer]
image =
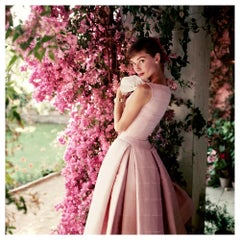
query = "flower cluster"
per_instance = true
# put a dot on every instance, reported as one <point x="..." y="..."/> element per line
<point x="79" y="74"/>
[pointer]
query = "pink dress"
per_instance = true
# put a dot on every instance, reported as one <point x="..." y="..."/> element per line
<point x="134" y="193"/>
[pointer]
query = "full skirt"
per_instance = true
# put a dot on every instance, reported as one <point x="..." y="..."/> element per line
<point x="135" y="195"/>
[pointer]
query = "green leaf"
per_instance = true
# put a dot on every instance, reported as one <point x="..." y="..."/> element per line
<point x="47" y="11"/>
<point x="18" y="32"/>
<point x="8" y="33"/>
<point x="11" y="62"/>
<point x="16" y="115"/>
<point x="51" y="55"/>
<point x="26" y="44"/>
<point x="46" y="38"/>
<point x="39" y="53"/>
<point x="222" y="148"/>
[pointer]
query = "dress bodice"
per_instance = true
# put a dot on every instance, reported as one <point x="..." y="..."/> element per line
<point x="150" y="114"/>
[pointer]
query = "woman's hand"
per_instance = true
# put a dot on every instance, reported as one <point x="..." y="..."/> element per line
<point x="119" y="96"/>
<point x="119" y="104"/>
<point x="119" y="93"/>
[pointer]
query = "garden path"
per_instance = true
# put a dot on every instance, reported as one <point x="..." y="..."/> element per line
<point x="41" y="218"/>
<point x="50" y="190"/>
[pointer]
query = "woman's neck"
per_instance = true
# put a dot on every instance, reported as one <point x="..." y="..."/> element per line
<point x="158" y="78"/>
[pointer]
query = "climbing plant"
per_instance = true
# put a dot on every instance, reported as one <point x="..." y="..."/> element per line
<point x="221" y="122"/>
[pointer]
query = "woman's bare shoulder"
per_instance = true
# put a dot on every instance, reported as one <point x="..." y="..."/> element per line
<point x="143" y="92"/>
<point x="143" y="86"/>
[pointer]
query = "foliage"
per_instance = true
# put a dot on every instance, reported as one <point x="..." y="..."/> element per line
<point x="221" y="137"/>
<point x="20" y="203"/>
<point x="221" y="152"/>
<point x="77" y="56"/>
<point x="13" y="103"/>
<point x="217" y="219"/>
<point x="165" y="140"/>
<point x="220" y="133"/>
<point x="13" y="100"/>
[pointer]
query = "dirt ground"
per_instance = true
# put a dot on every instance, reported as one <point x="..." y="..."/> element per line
<point x="41" y="197"/>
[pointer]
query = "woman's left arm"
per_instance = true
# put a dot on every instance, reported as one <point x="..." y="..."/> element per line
<point x="125" y="115"/>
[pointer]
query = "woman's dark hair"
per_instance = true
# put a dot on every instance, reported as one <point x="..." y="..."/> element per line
<point x="150" y="45"/>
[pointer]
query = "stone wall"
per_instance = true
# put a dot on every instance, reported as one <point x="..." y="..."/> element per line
<point x="52" y="117"/>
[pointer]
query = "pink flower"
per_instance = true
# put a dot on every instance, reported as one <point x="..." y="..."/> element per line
<point x="212" y="156"/>
<point x="23" y="68"/>
<point x="172" y="84"/>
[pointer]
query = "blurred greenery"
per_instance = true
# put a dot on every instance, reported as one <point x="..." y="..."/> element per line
<point x="36" y="152"/>
<point x="217" y="219"/>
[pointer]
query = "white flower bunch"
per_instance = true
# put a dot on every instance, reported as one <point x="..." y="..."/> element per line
<point x="129" y="84"/>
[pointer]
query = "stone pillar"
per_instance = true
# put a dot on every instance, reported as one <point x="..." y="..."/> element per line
<point x="193" y="157"/>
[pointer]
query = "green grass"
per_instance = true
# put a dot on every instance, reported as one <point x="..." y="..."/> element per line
<point x="37" y="152"/>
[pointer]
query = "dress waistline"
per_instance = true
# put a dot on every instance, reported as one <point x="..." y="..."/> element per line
<point x="141" y="143"/>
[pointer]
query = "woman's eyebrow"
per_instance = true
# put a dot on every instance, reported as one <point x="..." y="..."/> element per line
<point x="142" y="56"/>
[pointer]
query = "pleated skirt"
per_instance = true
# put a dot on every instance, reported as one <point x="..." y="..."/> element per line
<point x="135" y="195"/>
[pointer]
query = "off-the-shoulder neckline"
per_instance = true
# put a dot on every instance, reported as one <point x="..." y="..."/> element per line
<point x="158" y="84"/>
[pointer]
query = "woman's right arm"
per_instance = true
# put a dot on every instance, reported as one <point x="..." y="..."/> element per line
<point x="119" y="103"/>
<point x="125" y="115"/>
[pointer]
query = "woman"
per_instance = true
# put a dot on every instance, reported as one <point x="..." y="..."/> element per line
<point x="134" y="193"/>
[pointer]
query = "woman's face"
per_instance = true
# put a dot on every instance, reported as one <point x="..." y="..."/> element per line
<point x="144" y="65"/>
